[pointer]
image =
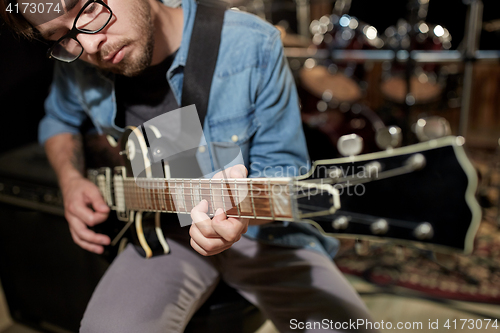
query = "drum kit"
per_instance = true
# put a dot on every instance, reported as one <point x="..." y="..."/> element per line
<point x="332" y="92"/>
<point x="400" y="103"/>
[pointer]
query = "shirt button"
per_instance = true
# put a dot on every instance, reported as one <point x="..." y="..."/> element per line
<point x="312" y="244"/>
<point x="234" y="138"/>
<point x="201" y="149"/>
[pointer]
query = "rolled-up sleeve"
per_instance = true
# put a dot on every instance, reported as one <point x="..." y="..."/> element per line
<point x="63" y="110"/>
<point x="278" y="147"/>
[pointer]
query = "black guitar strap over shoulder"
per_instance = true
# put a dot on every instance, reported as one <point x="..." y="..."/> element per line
<point x="202" y="55"/>
<point x="198" y="75"/>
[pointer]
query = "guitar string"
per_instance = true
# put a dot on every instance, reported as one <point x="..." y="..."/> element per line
<point x="265" y="206"/>
<point x="151" y="193"/>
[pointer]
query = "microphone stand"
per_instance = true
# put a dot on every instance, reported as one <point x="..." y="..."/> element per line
<point x="472" y="34"/>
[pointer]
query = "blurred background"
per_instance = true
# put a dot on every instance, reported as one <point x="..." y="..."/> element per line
<point x="392" y="72"/>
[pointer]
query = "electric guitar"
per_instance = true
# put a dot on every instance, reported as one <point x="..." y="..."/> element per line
<point x="423" y="194"/>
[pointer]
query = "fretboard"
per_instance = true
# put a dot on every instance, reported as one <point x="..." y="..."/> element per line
<point x="251" y="198"/>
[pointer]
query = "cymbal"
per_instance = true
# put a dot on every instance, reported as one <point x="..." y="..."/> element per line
<point x="318" y="80"/>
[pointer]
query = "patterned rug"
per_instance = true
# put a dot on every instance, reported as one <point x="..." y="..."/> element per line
<point x="474" y="277"/>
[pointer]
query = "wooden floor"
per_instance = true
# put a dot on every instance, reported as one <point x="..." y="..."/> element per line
<point x="391" y="306"/>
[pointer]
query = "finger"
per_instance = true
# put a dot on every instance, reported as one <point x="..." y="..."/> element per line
<point x="201" y="220"/>
<point x="84" y="233"/>
<point x="79" y="209"/>
<point x="228" y="228"/>
<point x="210" y="245"/>
<point x="236" y="171"/>
<point x="95" y="199"/>
<point x="198" y="248"/>
<point x="199" y="212"/>
<point x="86" y="245"/>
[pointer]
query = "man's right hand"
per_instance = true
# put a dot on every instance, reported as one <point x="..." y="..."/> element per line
<point x="84" y="207"/>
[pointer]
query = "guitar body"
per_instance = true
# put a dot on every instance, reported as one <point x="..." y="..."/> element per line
<point x="130" y="153"/>
<point x="422" y="194"/>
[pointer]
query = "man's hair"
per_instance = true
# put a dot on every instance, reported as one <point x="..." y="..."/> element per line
<point x="15" y="20"/>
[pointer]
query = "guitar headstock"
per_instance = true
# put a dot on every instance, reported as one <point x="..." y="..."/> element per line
<point x="423" y="193"/>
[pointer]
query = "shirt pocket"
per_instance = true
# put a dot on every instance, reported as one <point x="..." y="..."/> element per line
<point x="231" y="136"/>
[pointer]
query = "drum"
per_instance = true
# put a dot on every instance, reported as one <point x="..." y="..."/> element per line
<point x="331" y="108"/>
<point x="426" y="81"/>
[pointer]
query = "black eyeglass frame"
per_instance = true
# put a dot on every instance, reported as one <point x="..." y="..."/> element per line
<point x="75" y="31"/>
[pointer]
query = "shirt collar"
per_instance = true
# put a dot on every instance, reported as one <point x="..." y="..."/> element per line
<point x="189" y="12"/>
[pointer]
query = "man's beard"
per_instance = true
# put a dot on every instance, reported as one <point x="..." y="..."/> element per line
<point x="130" y="65"/>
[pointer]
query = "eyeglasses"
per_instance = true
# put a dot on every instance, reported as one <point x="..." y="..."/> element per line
<point x="91" y="19"/>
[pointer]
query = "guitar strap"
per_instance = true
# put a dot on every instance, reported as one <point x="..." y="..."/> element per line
<point x="202" y="56"/>
<point x="149" y="241"/>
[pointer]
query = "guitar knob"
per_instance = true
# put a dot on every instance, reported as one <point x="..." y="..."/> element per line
<point x="389" y="137"/>
<point x="350" y="145"/>
<point x="379" y="227"/>
<point x="340" y="223"/>
<point x="424" y="231"/>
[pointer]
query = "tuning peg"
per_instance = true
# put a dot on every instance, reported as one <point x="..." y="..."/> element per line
<point x="430" y="128"/>
<point x="350" y="145"/>
<point x="340" y="223"/>
<point x="379" y="227"/>
<point x="389" y="137"/>
<point x="424" y="231"/>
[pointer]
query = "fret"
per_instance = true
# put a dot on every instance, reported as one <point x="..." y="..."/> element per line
<point x="132" y="193"/>
<point x="251" y="197"/>
<point x="179" y="199"/>
<point x="237" y="199"/>
<point x="270" y="191"/>
<point x="155" y="195"/>
<point x="281" y="203"/>
<point x="183" y="195"/>
<point x="206" y="194"/>
<point x="162" y="198"/>
<point x="143" y="196"/>
<point x="150" y="193"/>
<point x="245" y="203"/>
<point x="222" y="188"/>
<point x="192" y="194"/>
<point x="213" y="198"/>
<point x="136" y="191"/>
<point x="260" y="201"/>
<point x="172" y="206"/>
<point x="188" y="187"/>
<point x="147" y="194"/>
<point x="216" y="195"/>
<point x="137" y="199"/>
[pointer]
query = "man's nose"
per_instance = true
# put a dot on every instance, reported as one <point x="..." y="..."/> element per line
<point x="91" y="43"/>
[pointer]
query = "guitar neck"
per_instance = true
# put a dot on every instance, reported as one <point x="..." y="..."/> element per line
<point x="248" y="198"/>
<point x="260" y="198"/>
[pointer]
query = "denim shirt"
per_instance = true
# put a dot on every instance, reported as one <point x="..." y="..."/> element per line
<point x="253" y="104"/>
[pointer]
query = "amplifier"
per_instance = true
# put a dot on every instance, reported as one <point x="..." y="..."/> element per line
<point x="47" y="279"/>
<point x="27" y="180"/>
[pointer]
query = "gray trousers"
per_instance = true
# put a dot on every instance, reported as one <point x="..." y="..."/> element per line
<point x="162" y="293"/>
